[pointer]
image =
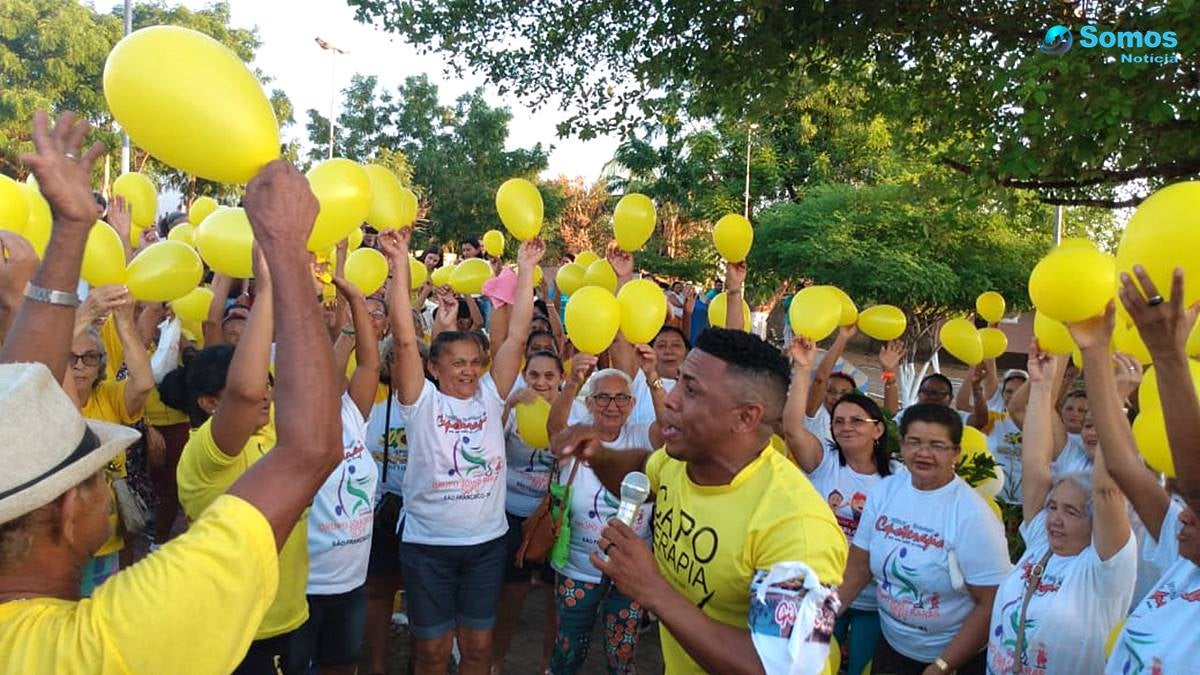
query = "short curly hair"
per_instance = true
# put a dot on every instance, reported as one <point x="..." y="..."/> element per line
<point x="762" y="368"/>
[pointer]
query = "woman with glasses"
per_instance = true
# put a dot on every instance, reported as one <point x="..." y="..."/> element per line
<point x="844" y="472"/>
<point x="935" y="551"/>
<point x="583" y="594"/>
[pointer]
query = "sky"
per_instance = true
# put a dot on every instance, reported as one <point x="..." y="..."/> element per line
<point x="289" y="54"/>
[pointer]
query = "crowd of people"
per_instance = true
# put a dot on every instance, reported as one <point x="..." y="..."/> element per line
<point x="250" y="495"/>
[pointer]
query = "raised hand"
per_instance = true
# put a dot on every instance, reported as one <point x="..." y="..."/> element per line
<point x="63" y="171"/>
<point x="891" y="355"/>
<point x="1096" y="331"/>
<point x="1129" y="374"/>
<point x="530" y="253"/>
<point x="100" y="301"/>
<point x="1039" y="363"/>
<point x="394" y="244"/>
<point x="735" y="276"/>
<point x="689" y="297"/>
<point x="347" y="290"/>
<point x="803" y="352"/>
<point x="280" y="205"/>
<point x="120" y="217"/>
<point x="647" y="360"/>
<point x="1164" y="323"/>
<point x="621" y="261"/>
<point x="18" y="262"/>
<point x="582" y="365"/>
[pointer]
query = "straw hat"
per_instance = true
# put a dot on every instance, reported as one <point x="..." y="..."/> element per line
<point x="46" y="447"/>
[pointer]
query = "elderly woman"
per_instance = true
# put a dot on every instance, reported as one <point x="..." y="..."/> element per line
<point x="935" y="551"/>
<point x="583" y="594"/>
<point x="1073" y="584"/>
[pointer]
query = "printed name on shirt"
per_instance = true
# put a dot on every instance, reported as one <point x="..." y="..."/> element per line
<point x="899" y="530"/>
<point x="685" y="547"/>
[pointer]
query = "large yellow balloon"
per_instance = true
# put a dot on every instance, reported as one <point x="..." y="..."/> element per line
<point x="733" y="236"/>
<point x="103" y="257"/>
<point x="37" y="228"/>
<point x="643" y="310"/>
<point x="717" y="309"/>
<point x="441" y="276"/>
<point x="585" y="259"/>
<point x="215" y="123"/>
<point x="520" y="207"/>
<point x="570" y="278"/>
<point x="408" y="207"/>
<point x="882" y="322"/>
<point x="1127" y="340"/>
<point x="1150" y="435"/>
<point x="200" y="209"/>
<point x="592" y="319"/>
<point x="1164" y="233"/>
<point x="387" y="198"/>
<point x="994" y="342"/>
<point x="493" y="243"/>
<point x="990" y="306"/>
<point x="14" y="205"/>
<point x="183" y="232"/>
<point x="1073" y="284"/>
<point x="960" y="338"/>
<point x="343" y="189"/>
<point x="815" y="312"/>
<point x="468" y="276"/>
<point x="532" y="419"/>
<point x="1052" y="336"/>
<point x="417" y="272"/>
<point x="141" y="196"/>
<point x="849" y="315"/>
<point x="601" y="273"/>
<point x="1148" y="397"/>
<point x="367" y="269"/>
<point x="193" y="306"/>
<point x="225" y="241"/>
<point x="163" y="272"/>
<point x="633" y="221"/>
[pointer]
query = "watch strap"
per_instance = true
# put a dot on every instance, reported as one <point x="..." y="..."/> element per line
<point x="51" y="297"/>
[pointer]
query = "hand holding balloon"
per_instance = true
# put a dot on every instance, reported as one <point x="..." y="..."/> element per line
<point x="530" y="254"/>
<point x="621" y="261"/>
<point x="1164" y="324"/>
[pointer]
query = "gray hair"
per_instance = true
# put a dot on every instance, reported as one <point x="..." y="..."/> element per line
<point x="1081" y="478"/>
<point x="590" y="386"/>
<point x="93" y="333"/>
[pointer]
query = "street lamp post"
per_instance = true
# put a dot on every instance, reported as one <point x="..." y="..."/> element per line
<point x="333" y="52"/>
<point x="749" y="131"/>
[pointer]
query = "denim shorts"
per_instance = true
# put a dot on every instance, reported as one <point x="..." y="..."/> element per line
<point x="333" y="634"/>
<point x="514" y="574"/>
<point x="385" y="544"/>
<point x="448" y="586"/>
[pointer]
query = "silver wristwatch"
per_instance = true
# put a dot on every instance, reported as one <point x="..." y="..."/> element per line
<point x="60" y="298"/>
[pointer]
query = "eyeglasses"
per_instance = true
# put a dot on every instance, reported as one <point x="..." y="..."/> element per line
<point x="377" y="314"/>
<point x="934" y="393"/>
<point x="89" y="359"/>
<point x="936" y="446"/>
<point x="853" y="421"/>
<point x="603" y="400"/>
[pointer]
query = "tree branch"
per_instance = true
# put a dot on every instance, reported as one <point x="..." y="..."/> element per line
<point x="1098" y="203"/>
<point x="1186" y="168"/>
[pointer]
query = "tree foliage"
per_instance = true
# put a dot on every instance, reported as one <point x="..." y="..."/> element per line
<point x="1082" y="128"/>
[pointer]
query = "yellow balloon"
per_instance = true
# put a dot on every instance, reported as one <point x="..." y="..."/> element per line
<point x="1076" y="242"/>
<point x="493" y="243"/>
<point x="141" y="197"/>
<point x="417" y="272"/>
<point x="717" y="308"/>
<point x="643" y="310"/>
<point x="441" y="276"/>
<point x="532" y="421"/>
<point x="387" y="198"/>
<point x="37" y="228"/>
<point x="408" y="207"/>
<point x="200" y="209"/>
<point x="1148" y="398"/>
<point x="468" y="276"/>
<point x="990" y="306"/>
<point x="520" y="207"/>
<point x="1111" y="640"/>
<point x="183" y="232"/>
<point x="1052" y="336"/>
<point x="343" y="189"/>
<point x="1150" y="435"/>
<point x="733" y="236"/>
<point x="355" y="239"/>
<point x="633" y="221"/>
<point x="225" y="241"/>
<point x="600" y="273"/>
<point x="570" y="278"/>
<point x="103" y="257"/>
<point x="994" y="341"/>
<point x="815" y="312"/>
<point x="592" y="319"/>
<point x="193" y="306"/>
<point x="849" y="315"/>
<point x="163" y="272"/>
<point x="367" y="269"/>
<point x="1193" y="342"/>
<point x="960" y="338"/>
<point x="882" y="322"/>
<point x="217" y="123"/>
<point x="991" y="502"/>
<point x="974" y="444"/>
<point x="1164" y="233"/>
<point x="1073" y="284"/>
<point x="14" y="205"/>
<point x="585" y="259"/>
<point x="538" y="275"/>
<point x="1127" y="339"/>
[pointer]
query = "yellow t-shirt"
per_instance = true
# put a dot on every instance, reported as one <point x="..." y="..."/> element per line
<point x="204" y="474"/>
<point x="710" y="539"/>
<point x="107" y="404"/>
<point x="190" y="607"/>
<point x="159" y="414"/>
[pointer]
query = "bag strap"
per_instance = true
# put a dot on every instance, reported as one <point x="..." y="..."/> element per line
<point x="1035" y="578"/>
<point x="387" y="432"/>
<point x="563" y="512"/>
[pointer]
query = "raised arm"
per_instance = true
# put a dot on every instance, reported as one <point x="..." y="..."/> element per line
<point x="1110" y="519"/>
<point x="282" y="208"/>
<point x="246" y="384"/>
<point x="120" y="217"/>
<point x="41" y="331"/>
<point x="141" y="376"/>
<point x="689" y="308"/>
<point x="979" y="413"/>
<point x="408" y="373"/>
<point x="365" y="379"/>
<point x="508" y="358"/>
<point x="560" y="409"/>
<point x="1036" y="449"/>
<point x="221" y="285"/>
<point x="498" y="328"/>
<point x="962" y="400"/>
<point x="648" y="362"/>
<point x="552" y="298"/>
<point x="473" y="311"/>
<point x="890" y="356"/>
<point x="804" y="446"/>
<point x="816" y="393"/>
<point x="735" y="286"/>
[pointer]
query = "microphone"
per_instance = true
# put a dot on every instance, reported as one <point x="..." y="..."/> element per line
<point x="635" y="489"/>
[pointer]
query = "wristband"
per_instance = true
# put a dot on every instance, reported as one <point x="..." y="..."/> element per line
<point x="941" y="665"/>
<point x="51" y="297"/>
<point x="348" y="331"/>
<point x="888" y="378"/>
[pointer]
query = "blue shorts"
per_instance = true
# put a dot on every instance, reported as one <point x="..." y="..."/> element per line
<point x="333" y="634"/>
<point x="448" y="586"/>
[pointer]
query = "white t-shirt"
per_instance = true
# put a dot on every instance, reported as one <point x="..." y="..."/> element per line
<point x="819" y="425"/>
<point x="527" y="472"/>
<point x="454" y="486"/>
<point x="592" y="507"/>
<point x="643" y="406"/>
<point x="397" y="446"/>
<point x="340" y="522"/>
<point x="1160" y="634"/>
<point x="1150" y="569"/>
<point x="1004" y="442"/>
<point x="912" y="536"/>
<point x="846" y="491"/>
<point x="1073" y="457"/>
<point x="1074" y="607"/>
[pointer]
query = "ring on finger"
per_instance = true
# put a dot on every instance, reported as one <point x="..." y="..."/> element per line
<point x="608" y="546"/>
<point x="1155" y="300"/>
<point x="71" y="156"/>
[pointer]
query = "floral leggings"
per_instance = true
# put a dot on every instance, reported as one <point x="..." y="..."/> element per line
<point x="578" y="603"/>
